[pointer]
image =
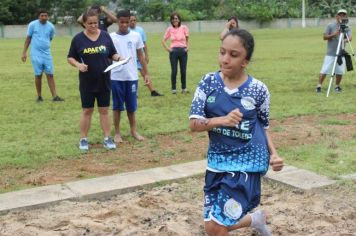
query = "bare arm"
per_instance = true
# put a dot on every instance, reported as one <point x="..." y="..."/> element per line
<point x="145" y="50"/>
<point x="187" y="40"/>
<point x="25" y="48"/>
<point x="275" y="161"/>
<point x="232" y="119"/>
<point x="79" y="65"/>
<point x="141" y="58"/>
<point x="80" y="20"/>
<point x="225" y="30"/>
<point x="111" y="17"/>
<point x="332" y="35"/>
<point x="164" y="44"/>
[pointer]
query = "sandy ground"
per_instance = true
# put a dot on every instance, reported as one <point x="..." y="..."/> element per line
<point x="176" y="209"/>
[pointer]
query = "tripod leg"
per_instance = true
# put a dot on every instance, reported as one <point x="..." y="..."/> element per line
<point x="352" y="50"/>
<point x="341" y="37"/>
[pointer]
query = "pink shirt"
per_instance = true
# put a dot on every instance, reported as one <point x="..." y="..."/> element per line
<point x="177" y="36"/>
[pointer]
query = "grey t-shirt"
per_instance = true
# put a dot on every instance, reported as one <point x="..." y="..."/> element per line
<point x="332" y="43"/>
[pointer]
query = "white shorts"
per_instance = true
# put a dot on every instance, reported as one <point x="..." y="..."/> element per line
<point x="328" y="66"/>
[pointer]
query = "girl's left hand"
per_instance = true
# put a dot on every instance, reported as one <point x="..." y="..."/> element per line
<point x="276" y="162"/>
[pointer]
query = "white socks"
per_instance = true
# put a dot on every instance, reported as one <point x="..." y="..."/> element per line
<point x="258" y="222"/>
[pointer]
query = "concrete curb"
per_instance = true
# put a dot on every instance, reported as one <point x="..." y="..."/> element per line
<point x="102" y="187"/>
<point x="107" y="186"/>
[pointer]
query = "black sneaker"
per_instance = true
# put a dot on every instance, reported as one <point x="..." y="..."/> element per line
<point x="154" y="93"/>
<point x="318" y="89"/>
<point x="57" y="99"/>
<point x="39" y="99"/>
<point x="338" y="89"/>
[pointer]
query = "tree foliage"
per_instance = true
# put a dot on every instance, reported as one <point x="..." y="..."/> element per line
<point x="23" y="11"/>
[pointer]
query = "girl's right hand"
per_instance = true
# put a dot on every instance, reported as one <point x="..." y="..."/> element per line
<point x="233" y="118"/>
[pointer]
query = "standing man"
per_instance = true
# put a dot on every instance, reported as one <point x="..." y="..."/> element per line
<point x="138" y="29"/>
<point x="124" y="79"/>
<point x="40" y="33"/>
<point x="331" y="34"/>
<point x="106" y="18"/>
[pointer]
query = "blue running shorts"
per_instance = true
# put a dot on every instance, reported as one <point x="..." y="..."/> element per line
<point x="124" y="95"/>
<point x="42" y="64"/>
<point x="229" y="196"/>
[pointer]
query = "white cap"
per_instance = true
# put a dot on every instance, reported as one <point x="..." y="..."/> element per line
<point x="341" y="11"/>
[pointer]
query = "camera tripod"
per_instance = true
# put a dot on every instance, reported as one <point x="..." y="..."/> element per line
<point x="340" y="46"/>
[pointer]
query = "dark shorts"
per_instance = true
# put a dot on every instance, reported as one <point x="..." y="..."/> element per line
<point x="229" y="196"/>
<point x="88" y="99"/>
<point x="124" y="95"/>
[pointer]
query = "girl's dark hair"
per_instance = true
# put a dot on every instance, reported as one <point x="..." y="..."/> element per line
<point x="235" y="19"/>
<point x="40" y="11"/>
<point x="89" y="13"/>
<point x="172" y="17"/>
<point x="246" y="39"/>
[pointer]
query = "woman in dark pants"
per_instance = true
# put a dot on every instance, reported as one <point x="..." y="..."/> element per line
<point x="178" y="50"/>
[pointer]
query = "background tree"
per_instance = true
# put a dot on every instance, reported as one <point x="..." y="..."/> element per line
<point x="23" y="11"/>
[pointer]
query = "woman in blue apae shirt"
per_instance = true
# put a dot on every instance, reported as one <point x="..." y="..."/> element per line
<point x="234" y="108"/>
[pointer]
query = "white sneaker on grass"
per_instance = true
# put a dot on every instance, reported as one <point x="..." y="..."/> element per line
<point x="109" y="143"/>
<point x="83" y="144"/>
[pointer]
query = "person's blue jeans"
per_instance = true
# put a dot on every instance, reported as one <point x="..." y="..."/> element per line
<point x="178" y="54"/>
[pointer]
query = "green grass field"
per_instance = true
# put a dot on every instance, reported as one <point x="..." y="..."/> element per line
<point x="287" y="60"/>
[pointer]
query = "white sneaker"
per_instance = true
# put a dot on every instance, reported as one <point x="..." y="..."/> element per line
<point x="83" y="144"/>
<point x="259" y="223"/>
<point x="109" y="143"/>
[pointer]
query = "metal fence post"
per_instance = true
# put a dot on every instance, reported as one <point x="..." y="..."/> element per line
<point x="2" y="31"/>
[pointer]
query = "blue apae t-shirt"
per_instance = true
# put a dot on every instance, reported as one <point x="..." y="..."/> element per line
<point x="95" y="54"/>
<point x="240" y="148"/>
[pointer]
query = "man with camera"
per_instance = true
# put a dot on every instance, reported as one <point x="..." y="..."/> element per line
<point x="331" y="34"/>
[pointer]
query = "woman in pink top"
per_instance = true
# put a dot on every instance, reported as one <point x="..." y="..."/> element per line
<point x="178" y="50"/>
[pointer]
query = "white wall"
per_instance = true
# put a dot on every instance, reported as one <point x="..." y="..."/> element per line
<point x="19" y="31"/>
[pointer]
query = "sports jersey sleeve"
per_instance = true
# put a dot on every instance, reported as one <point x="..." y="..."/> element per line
<point x="262" y="106"/>
<point x="199" y="100"/>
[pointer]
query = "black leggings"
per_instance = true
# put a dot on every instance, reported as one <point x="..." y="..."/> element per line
<point x="178" y="54"/>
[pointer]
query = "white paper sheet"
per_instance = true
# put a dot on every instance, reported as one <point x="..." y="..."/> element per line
<point x="115" y="64"/>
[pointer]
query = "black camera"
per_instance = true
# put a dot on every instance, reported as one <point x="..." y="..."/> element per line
<point x="343" y="24"/>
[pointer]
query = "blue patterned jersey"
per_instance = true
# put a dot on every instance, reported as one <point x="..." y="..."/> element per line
<point x="240" y="148"/>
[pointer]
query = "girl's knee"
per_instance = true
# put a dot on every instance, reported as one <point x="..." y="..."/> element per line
<point x="214" y="229"/>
